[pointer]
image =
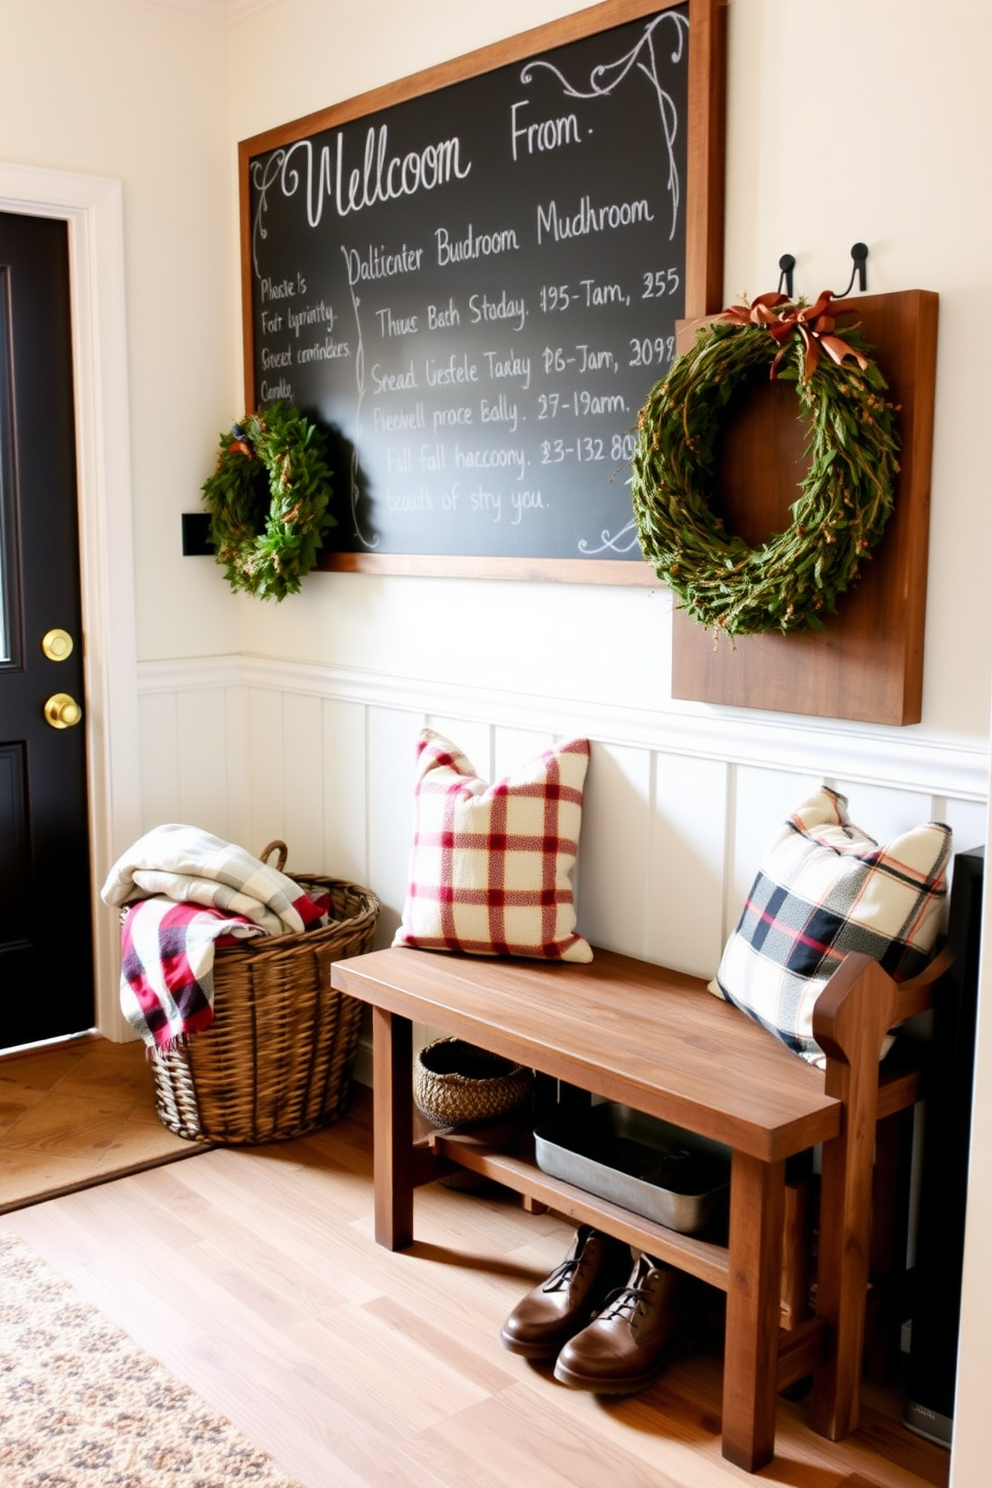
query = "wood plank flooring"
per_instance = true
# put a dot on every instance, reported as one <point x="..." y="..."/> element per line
<point x="253" y="1276"/>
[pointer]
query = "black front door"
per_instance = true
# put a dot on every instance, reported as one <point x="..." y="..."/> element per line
<point x="46" y="942"/>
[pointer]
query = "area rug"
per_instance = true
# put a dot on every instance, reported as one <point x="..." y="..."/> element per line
<point x="81" y="1406"/>
<point x="76" y="1114"/>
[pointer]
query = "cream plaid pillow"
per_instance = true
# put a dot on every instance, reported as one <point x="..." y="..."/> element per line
<point x="826" y="888"/>
<point x="491" y="865"/>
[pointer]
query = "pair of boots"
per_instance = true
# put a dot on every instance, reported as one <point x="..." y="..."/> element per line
<point x="610" y="1329"/>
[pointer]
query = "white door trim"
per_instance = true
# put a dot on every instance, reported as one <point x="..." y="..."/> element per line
<point x="91" y="205"/>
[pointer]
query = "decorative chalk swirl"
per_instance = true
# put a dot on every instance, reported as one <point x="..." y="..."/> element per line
<point x="609" y="75"/>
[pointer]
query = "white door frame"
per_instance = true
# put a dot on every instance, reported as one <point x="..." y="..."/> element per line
<point x="91" y="205"/>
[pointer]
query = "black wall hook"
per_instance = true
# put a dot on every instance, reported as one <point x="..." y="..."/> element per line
<point x="787" y="263"/>
<point x="859" y="253"/>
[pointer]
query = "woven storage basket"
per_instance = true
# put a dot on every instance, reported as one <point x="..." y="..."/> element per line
<point x="276" y="1060"/>
<point x="456" y="1084"/>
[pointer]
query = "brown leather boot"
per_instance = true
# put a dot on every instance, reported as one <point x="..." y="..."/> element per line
<point x="574" y="1292"/>
<point x="638" y="1332"/>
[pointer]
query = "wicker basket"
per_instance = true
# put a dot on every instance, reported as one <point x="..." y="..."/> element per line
<point x="276" y="1060"/>
<point x="456" y="1084"/>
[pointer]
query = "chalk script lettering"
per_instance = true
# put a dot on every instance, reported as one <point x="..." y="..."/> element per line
<point x="482" y="308"/>
<point x="274" y="392"/>
<point x="327" y="350"/>
<point x="603" y="294"/>
<point x="412" y="501"/>
<point x="396" y="423"/>
<point x="272" y="359"/>
<point x="456" y="369"/>
<point x="589" y="219"/>
<point x="441" y="317"/>
<point x="393" y="382"/>
<point x="380" y="180"/>
<point x="396" y="325"/>
<point x="280" y="289"/>
<point x="376" y="263"/>
<point x="318" y="314"/>
<point x="449" y="418"/>
<point x="508" y="365"/>
<point x="487" y="501"/>
<point x="433" y="457"/>
<point x="474" y="245"/>
<point x="525" y="501"/>
<point x="549" y="134"/>
<point x="500" y="412"/>
<point x="499" y="458"/>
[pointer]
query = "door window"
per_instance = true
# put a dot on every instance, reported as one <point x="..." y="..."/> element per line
<point x="7" y="566"/>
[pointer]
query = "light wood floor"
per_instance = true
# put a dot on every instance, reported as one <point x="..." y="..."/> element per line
<point x="254" y="1277"/>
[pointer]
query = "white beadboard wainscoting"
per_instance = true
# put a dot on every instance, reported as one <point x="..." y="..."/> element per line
<point x="679" y="805"/>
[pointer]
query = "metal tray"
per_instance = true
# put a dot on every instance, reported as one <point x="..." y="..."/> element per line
<point x="648" y="1166"/>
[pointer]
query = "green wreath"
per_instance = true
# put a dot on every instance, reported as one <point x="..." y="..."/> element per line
<point x="845" y="499"/>
<point x="268" y="500"/>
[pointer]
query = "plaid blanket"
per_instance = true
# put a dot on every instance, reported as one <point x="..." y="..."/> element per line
<point x="167" y="967"/>
<point x="187" y="890"/>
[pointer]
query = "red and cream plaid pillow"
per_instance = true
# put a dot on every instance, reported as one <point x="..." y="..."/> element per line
<point x="491" y="865"/>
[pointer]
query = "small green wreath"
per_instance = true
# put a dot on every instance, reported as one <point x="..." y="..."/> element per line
<point x="845" y="499"/>
<point x="268" y="500"/>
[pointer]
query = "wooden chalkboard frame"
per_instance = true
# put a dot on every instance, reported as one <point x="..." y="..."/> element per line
<point x="703" y="239"/>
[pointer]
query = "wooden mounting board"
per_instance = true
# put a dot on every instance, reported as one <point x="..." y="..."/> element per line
<point x="868" y="664"/>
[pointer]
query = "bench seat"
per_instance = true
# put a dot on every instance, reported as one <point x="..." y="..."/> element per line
<point x="658" y="1041"/>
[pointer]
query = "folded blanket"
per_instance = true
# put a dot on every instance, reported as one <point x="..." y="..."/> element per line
<point x="191" y="866"/>
<point x="188" y="889"/>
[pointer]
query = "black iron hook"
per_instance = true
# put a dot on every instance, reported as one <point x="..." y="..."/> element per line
<point x="786" y="263"/>
<point x="859" y="253"/>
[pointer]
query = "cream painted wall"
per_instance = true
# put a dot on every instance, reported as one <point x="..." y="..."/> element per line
<point x="111" y="88"/>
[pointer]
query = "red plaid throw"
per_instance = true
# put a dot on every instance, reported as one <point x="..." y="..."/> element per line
<point x="491" y="865"/>
<point x="167" y="970"/>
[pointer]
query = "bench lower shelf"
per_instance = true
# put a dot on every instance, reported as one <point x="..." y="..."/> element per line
<point x="800" y="1346"/>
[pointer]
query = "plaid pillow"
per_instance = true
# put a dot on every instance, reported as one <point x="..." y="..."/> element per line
<point x="824" y="889"/>
<point x="491" y="865"/>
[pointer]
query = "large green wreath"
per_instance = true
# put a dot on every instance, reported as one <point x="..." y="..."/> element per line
<point x="845" y="499"/>
<point x="268" y="500"/>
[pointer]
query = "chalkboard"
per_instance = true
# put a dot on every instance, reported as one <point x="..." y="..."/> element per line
<point x="471" y="280"/>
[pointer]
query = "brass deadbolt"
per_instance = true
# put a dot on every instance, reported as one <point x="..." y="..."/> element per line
<point x="57" y="645"/>
<point x="62" y="711"/>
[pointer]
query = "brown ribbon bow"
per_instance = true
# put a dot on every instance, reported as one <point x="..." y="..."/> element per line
<point x="810" y="322"/>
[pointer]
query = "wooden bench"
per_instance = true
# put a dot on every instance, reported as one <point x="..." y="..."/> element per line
<point x="656" y="1040"/>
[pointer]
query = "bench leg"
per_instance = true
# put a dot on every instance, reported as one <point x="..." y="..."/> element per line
<point x="842" y="1280"/>
<point x="392" y="1115"/>
<point x="757" y="1207"/>
<point x="887" y="1251"/>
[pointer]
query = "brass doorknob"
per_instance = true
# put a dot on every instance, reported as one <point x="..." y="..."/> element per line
<point x="57" y="645"/>
<point x="62" y="711"/>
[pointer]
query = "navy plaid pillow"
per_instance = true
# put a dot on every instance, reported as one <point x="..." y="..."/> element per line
<point x="825" y="889"/>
